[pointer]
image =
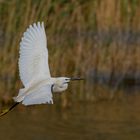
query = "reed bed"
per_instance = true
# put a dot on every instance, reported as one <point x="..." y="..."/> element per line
<point x="84" y="39"/>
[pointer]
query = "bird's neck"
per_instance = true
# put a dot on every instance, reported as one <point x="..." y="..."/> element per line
<point x="55" y="80"/>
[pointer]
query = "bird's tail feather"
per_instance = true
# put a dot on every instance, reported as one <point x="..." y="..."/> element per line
<point x="20" y="96"/>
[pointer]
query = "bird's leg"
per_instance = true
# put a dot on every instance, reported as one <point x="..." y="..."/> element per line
<point x="4" y="112"/>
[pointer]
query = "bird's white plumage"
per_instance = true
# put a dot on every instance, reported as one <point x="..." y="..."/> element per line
<point x="39" y="96"/>
<point x="34" y="68"/>
<point x="33" y="61"/>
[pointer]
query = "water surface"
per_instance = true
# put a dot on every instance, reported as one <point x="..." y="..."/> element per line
<point x="101" y="120"/>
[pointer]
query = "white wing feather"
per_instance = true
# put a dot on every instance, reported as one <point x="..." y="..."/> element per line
<point x="39" y="96"/>
<point x="33" y="61"/>
<point x="33" y="67"/>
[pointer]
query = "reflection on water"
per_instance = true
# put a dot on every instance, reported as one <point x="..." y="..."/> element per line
<point x="103" y="120"/>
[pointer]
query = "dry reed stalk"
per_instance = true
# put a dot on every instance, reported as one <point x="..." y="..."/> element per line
<point x="81" y="53"/>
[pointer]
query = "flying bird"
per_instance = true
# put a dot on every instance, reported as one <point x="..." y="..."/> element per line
<point x="34" y="70"/>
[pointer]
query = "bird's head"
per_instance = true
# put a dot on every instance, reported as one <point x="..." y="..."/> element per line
<point x="61" y="83"/>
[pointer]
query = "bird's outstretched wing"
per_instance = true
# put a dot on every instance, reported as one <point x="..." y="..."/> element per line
<point x="33" y="60"/>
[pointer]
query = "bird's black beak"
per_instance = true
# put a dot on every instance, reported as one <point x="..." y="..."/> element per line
<point x="73" y="79"/>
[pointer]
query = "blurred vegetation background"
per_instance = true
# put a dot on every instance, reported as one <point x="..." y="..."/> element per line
<point x="95" y="39"/>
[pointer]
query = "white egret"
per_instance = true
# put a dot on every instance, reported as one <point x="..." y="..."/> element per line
<point x="34" y="70"/>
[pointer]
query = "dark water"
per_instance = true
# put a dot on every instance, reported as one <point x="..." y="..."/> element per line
<point x="102" y="120"/>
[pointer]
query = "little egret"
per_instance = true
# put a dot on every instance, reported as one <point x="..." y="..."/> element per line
<point x="34" y="70"/>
